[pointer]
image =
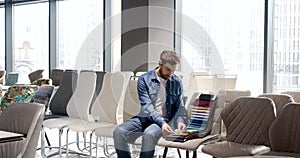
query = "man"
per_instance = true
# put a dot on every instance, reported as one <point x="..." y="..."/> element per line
<point x="161" y="98"/>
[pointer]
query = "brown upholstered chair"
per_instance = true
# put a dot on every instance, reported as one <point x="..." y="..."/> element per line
<point x="284" y="132"/>
<point x="294" y="94"/>
<point x="56" y="76"/>
<point x="279" y="99"/>
<point x="35" y="75"/>
<point x="225" y="97"/>
<point x="247" y="120"/>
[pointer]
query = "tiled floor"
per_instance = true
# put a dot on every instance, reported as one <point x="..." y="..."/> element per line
<point x="53" y="136"/>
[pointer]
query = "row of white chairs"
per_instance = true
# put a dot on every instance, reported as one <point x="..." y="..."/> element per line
<point x="106" y="111"/>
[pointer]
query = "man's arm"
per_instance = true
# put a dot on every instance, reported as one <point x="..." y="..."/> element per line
<point x="147" y="108"/>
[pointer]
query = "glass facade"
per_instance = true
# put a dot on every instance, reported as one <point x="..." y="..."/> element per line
<point x="31" y="39"/>
<point x="286" y="45"/>
<point x="2" y="39"/>
<point x="217" y="36"/>
<point x="230" y="40"/>
<point x="80" y="34"/>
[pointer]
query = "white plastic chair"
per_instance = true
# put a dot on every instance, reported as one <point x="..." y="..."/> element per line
<point x="77" y="108"/>
<point x="105" y="108"/>
<point x="224" y="82"/>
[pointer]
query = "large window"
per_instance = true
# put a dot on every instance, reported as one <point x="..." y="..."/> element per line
<point x="80" y="34"/>
<point x="224" y="37"/>
<point x="286" y="45"/>
<point x="2" y="41"/>
<point x="31" y="39"/>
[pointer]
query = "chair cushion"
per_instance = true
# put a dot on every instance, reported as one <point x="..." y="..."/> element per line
<point x="192" y="144"/>
<point x="18" y="94"/>
<point x="228" y="149"/>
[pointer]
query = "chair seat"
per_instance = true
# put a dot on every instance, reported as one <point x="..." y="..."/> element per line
<point x="229" y="149"/>
<point x="191" y="145"/>
<point x="106" y="131"/>
<point x="52" y="116"/>
<point x="84" y="126"/>
<point x="281" y="154"/>
<point x="59" y="122"/>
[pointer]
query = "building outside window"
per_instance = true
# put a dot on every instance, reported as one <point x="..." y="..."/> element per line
<point x="228" y="39"/>
<point x="2" y="39"/>
<point x="31" y="39"/>
<point x="286" y="45"/>
<point x="80" y="34"/>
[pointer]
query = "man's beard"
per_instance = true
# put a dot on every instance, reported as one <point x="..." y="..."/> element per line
<point x="165" y="77"/>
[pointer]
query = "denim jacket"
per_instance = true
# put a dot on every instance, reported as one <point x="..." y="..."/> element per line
<point x="148" y="87"/>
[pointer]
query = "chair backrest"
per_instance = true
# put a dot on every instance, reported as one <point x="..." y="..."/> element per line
<point x="279" y="99"/>
<point x="42" y="95"/>
<point x="127" y="76"/>
<point x="80" y="102"/>
<point x="224" y="82"/>
<point x="2" y="76"/>
<point x="56" y="76"/>
<point x="58" y="103"/>
<point x="22" y="118"/>
<point x="248" y="119"/>
<point x="99" y="82"/>
<point x="225" y="97"/>
<point x="201" y="82"/>
<point x="294" y="94"/>
<point x="131" y="101"/>
<point x="11" y="78"/>
<point x="30" y="150"/>
<point x="111" y="96"/>
<point x="284" y="131"/>
<point x="35" y="75"/>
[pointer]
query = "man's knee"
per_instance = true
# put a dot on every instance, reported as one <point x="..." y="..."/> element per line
<point x="152" y="135"/>
<point x="118" y="132"/>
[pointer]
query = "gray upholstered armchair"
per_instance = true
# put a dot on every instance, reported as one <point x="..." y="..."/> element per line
<point x="22" y="118"/>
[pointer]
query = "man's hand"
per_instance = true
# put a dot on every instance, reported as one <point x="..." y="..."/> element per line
<point x="166" y="129"/>
<point x="181" y="126"/>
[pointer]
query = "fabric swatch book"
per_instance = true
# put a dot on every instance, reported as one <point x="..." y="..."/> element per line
<point x="200" y="120"/>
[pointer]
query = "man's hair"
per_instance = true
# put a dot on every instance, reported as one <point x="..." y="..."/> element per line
<point x="169" y="56"/>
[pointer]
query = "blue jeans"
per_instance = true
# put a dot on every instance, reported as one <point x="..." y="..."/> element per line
<point x="130" y="131"/>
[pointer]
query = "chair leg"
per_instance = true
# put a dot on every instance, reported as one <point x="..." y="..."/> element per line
<point x="165" y="152"/>
<point x="43" y="142"/>
<point x="179" y="154"/>
<point x="67" y="143"/>
<point x="187" y="153"/>
<point x="47" y="139"/>
<point x="91" y="149"/>
<point x="59" y="143"/>
<point x="195" y="154"/>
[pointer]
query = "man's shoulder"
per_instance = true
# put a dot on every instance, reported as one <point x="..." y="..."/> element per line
<point x="175" y="78"/>
<point x="150" y="73"/>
